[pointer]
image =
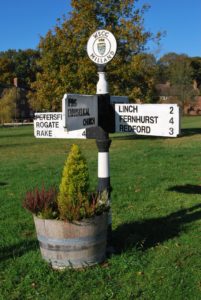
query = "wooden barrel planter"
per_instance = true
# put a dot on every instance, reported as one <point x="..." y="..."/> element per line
<point x="78" y="244"/>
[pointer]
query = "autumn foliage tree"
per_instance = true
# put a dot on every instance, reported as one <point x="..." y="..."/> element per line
<point x="21" y="64"/>
<point x="8" y="102"/>
<point x="66" y="67"/>
<point x="180" y="71"/>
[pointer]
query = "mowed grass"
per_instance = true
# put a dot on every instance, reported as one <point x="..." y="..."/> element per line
<point x="156" y="207"/>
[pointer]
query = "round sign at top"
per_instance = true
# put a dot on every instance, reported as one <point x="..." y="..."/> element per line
<point x="101" y="47"/>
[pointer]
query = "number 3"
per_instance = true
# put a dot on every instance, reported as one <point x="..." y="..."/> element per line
<point x="171" y="131"/>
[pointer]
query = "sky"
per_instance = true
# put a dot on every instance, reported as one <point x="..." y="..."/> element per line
<point x="181" y="19"/>
<point x="22" y="22"/>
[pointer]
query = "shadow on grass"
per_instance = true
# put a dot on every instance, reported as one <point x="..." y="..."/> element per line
<point x="186" y="189"/>
<point x="27" y="144"/>
<point x="190" y="131"/>
<point x="3" y="183"/>
<point x="151" y="232"/>
<point x="17" y="250"/>
<point x="134" y="137"/>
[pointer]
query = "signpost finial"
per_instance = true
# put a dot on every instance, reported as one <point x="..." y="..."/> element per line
<point x="101" y="47"/>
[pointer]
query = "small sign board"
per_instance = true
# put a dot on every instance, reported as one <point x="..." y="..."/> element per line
<point x="50" y="125"/>
<point x="118" y="99"/>
<point x="101" y="47"/>
<point x="80" y="111"/>
<point x="148" y="119"/>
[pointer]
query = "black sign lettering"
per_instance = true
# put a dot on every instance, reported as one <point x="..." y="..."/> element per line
<point x="89" y="121"/>
<point x="44" y="133"/>
<point x="72" y="102"/>
<point x="128" y="108"/>
<point x="48" y="117"/>
<point x="78" y="112"/>
<point x="47" y="124"/>
<point x="135" y="129"/>
<point x="138" y="119"/>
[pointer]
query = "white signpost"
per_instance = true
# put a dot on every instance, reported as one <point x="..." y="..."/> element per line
<point x="95" y="116"/>
<point x="148" y="119"/>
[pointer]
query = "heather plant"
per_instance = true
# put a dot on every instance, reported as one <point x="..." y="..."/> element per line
<point x="93" y="204"/>
<point x="42" y="202"/>
<point x="97" y="203"/>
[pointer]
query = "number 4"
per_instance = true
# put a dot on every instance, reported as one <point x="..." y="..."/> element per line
<point x="171" y="121"/>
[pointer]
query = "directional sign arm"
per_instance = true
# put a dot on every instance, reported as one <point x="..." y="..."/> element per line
<point x="148" y="119"/>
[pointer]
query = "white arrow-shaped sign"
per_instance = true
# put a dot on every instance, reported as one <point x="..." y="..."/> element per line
<point x="148" y="119"/>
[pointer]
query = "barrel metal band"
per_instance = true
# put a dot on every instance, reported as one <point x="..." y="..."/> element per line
<point x="87" y="242"/>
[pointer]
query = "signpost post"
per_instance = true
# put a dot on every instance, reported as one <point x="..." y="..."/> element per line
<point x="101" y="48"/>
<point x="95" y="116"/>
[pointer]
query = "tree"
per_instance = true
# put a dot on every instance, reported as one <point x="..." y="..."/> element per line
<point x="196" y="66"/>
<point x="165" y="64"/>
<point x="64" y="62"/>
<point x="21" y="64"/>
<point x="8" y="105"/>
<point x="178" y="70"/>
<point x="181" y="76"/>
<point x="6" y="70"/>
<point x="143" y="75"/>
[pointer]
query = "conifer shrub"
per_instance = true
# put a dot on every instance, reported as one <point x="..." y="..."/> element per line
<point x="73" y="190"/>
<point x="74" y="200"/>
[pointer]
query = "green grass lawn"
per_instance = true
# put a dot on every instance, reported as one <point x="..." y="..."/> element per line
<point x="156" y="206"/>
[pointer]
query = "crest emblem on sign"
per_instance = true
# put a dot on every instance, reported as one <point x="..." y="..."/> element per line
<point x="101" y="46"/>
